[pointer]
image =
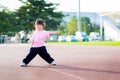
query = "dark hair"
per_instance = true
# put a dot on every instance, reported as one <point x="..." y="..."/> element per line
<point x="40" y="22"/>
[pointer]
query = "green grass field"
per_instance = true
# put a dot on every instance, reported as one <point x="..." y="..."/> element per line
<point x="97" y="43"/>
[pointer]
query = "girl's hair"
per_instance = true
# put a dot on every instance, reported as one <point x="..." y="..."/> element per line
<point x="40" y="22"/>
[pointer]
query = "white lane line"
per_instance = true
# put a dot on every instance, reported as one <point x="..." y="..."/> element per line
<point x="67" y="74"/>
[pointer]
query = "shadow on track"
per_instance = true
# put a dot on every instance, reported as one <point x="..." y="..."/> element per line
<point x="76" y="68"/>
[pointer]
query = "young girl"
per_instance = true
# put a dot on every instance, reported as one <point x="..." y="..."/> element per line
<point x="38" y="38"/>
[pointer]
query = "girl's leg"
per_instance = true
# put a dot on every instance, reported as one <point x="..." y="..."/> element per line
<point x="45" y="55"/>
<point x="30" y="56"/>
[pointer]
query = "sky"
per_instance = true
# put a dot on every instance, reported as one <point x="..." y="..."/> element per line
<point x="72" y="5"/>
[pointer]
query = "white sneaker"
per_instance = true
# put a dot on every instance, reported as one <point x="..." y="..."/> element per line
<point x="23" y="64"/>
<point x="53" y="63"/>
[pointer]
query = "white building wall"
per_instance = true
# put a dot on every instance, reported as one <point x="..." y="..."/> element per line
<point x="111" y="32"/>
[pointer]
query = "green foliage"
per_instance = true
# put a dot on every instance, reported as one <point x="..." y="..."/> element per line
<point x="7" y="22"/>
<point x="24" y="17"/>
<point x="86" y="25"/>
<point x="62" y="30"/>
<point x="34" y="9"/>
<point x="72" y="26"/>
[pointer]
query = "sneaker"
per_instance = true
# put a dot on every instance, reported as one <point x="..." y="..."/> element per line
<point x="53" y="63"/>
<point x="23" y="64"/>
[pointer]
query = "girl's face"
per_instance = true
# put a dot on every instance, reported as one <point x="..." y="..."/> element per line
<point x="38" y="27"/>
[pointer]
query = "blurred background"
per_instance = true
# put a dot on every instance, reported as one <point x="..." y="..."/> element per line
<point x="78" y="20"/>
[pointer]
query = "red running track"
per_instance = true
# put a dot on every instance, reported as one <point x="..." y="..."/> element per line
<point x="73" y="63"/>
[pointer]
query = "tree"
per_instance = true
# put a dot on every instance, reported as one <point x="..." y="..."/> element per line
<point x="33" y="9"/>
<point x="72" y="26"/>
<point x="7" y="22"/>
<point x="86" y="25"/>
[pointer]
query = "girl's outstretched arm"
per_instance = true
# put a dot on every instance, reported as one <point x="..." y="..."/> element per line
<point x="54" y="32"/>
